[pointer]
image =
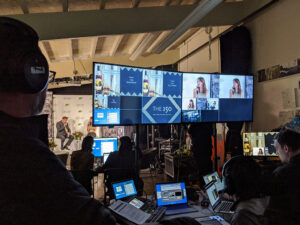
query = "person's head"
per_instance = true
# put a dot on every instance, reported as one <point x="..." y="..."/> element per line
<point x="24" y="70"/>
<point x="191" y="103"/>
<point x="242" y="177"/>
<point x="125" y="144"/>
<point x="287" y="144"/>
<point x="260" y="151"/>
<point x="201" y="85"/>
<point x="64" y="119"/>
<point x="237" y="85"/>
<point x="87" y="143"/>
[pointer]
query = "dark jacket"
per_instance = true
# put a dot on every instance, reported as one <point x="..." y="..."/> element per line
<point x="36" y="188"/>
<point x="61" y="129"/>
<point x="250" y="212"/>
<point x="284" y="207"/>
<point x="82" y="163"/>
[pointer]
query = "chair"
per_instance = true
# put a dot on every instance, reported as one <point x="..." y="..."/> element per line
<point x="84" y="177"/>
<point x="116" y="175"/>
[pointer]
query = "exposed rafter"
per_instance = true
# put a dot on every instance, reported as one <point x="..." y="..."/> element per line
<point x="116" y="44"/>
<point x="136" y="43"/>
<point x="70" y="49"/>
<point x="167" y="2"/>
<point x="48" y="50"/>
<point x="93" y="48"/>
<point x="161" y="36"/>
<point x="23" y="5"/>
<point x="147" y="41"/>
<point x="135" y="3"/>
<point x="65" y="5"/>
<point x="102" y="4"/>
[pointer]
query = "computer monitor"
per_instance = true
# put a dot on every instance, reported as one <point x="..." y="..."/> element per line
<point x="104" y="145"/>
<point x="105" y="156"/>
<point x="124" y="189"/>
<point x="212" y="193"/>
<point x="125" y="95"/>
<point x="171" y="194"/>
<point x="259" y="144"/>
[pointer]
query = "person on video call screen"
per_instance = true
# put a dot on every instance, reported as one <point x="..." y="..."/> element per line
<point x="236" y="91"/>
<point x="200" y="91"/>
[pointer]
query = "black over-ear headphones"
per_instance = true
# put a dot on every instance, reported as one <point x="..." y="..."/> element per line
<point x="227" y="171"/>
<point x="23" y="67"/>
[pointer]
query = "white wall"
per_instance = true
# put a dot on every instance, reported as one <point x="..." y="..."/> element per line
<point x="276" y="39"/>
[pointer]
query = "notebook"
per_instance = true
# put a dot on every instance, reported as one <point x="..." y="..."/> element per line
<point x="216" y="202"/>
<point x="214" y="177"/>
<point x="174" y="197"/>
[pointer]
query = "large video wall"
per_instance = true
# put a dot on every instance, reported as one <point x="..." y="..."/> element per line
<point x="129" y="95"/>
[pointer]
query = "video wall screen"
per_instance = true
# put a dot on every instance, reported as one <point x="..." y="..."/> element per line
<point x="259" y="144"/>
<point x="216" y="98"/>
<point x="129" y="95"/>
<point x="126" y="95"/>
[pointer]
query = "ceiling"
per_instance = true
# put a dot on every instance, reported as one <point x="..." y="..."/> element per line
<point x="92" y="29"/>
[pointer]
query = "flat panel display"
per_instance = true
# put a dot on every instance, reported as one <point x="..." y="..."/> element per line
<point x="129" y="95"/>
<point x="104" y="145"/>
<point x="171" y="194"/>
<point x="259" y="144"/>
<point x="216" y="97"/>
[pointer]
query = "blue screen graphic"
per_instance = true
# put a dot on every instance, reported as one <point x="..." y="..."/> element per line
<point x="104" y="145"/>
<point x="171" y="194"/>
<point x="124" y="189"/>
<point x="126" y="95"/>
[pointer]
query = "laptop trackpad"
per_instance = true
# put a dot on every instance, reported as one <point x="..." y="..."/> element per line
<point x="180" y="211"/>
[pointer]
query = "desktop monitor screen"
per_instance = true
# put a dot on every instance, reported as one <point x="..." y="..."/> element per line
<point x="126" y="95"/>
<point x="105" y="156"/>
<point x="259" y="144"/>
<point x="104" y="145"/>
<point x="124" y="189"/>
<point x="171" y="194"/>
<point x="216" y="97"/>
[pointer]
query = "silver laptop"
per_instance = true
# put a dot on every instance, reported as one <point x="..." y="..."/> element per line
<point x="217" y="204"/>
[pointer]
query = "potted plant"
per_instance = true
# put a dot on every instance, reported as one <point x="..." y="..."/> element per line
<point x="52" y="145"/>
<point x="77" y="135"/>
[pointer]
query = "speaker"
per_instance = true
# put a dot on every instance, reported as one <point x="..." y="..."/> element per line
<point x="23" y="67"/>
<point x="236" y="51"/>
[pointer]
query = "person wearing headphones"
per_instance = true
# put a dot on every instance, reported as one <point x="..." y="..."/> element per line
<point x="36" y="188"/>
<point x="285" y="187"/>
<point x="243" y="184"/>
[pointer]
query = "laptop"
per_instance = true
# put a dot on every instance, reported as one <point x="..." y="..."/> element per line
<point x="126" y="191"/>
<point x="217" y="204"/>
<point x="105" y="156"/>
<point x="174" y="197"/>
<point x="214" y="177"/>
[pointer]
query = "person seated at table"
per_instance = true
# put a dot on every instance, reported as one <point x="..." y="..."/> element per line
<point x="82" y="162"/>
<point x="125" y="159"/>
<point x="243" y="184"/>
<point x="284" y="187"/>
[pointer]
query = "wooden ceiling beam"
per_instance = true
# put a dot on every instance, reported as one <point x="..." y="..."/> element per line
<point x="116" y="45"/>
<point x="23" y="5"/>
<point x="65" y="5"/>
<point x="135" y="3"/>
<point x="128" y="21"/>
<point x="93" y="48"/>
<point x="102" y="4"/>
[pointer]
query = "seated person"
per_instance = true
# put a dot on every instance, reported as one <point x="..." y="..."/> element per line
<point x="124" y="159"/>
<point x="82" y="162"/>
<point x="243" y="183"/>
<point x="64" y="132"/>
<point x="285" y="194"/>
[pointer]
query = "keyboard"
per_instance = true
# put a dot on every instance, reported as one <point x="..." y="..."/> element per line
<point x="225" y="206"/>
<point x="157" y="214"/>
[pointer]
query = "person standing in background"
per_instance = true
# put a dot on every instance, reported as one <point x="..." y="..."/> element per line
<point x="64" y="132"/>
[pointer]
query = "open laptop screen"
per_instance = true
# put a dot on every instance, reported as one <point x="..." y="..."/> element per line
<point x="212" y="176"/>
<point x="105" y="156"/>
<point x="124" y="189"/>
<point x="171" y="194"/>
<point x="212" y="193"/>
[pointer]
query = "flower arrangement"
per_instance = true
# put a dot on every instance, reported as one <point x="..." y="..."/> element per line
<point x="52" y="145"/>
<point x="77" y="135"/>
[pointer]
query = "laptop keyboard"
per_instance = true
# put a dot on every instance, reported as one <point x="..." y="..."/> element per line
<point x="224" y="206"/>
